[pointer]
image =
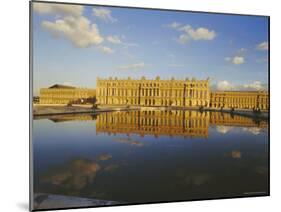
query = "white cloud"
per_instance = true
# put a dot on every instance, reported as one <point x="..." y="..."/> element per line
<point x="201" y="34"/>
<point x="174" y="25"/>
<point x="224" y="85"/>
<point x="223" y="129"/>
<point x="103" y="14"/>
<point x="135" y="66"/>
<point x="73" y="26"/>
<point x="78" y="30"/>
<point x="58" y="9"/>
<point x="185" y="28"/>
<point x="263" y="46"/>
<point x="183" y="38"/>
<point x="190" y="33"/>
<point x="114" y="39"/>
<point x="106" y="49"/>
<point x="256" y="85"/>
<point x="236" y="60"/>
<point x="253" y="130"/>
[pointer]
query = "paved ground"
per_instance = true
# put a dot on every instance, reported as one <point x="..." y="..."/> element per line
<point x="51" y="201"/>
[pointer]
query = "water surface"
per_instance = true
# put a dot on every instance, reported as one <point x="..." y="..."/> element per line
<point x="150" y="156"/>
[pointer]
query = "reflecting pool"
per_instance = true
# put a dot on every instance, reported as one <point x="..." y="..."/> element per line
<point x="150" y="156"/>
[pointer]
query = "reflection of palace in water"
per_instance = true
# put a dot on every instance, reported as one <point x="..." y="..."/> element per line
<point x="68" y="117"/>
<point x="169" y="123"/>
<point x="185" y="123"/>
<point x="227" y="119"/>
<point x="157" y="123"/>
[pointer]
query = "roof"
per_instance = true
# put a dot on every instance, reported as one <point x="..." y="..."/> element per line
<point x="62" y="86"/>
<point x="241" y="91"/>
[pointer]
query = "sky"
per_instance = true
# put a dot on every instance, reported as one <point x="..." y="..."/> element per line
<point x="75" y="44"/>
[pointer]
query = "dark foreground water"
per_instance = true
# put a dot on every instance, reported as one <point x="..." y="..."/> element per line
<point x="150" y="156"/>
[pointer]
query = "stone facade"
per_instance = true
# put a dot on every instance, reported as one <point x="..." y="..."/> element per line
<point x="180" y="93"/>
<point x="61" y="94"/>
<point x="146" y="92"/>
<point x="240" y="99"/>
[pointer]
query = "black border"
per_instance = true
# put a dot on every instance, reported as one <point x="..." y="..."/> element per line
<point x="31" y="105"/>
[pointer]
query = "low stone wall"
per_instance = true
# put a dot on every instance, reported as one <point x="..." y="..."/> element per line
<point x="41" y="110"/>
<point x="54" y="109"/>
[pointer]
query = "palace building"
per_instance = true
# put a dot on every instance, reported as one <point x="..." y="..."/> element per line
<point x="62" y="94"/>
<point x="240" y="99"/>
<point x="155" y="93"/>
<point x="157" y="123"/>
<point x="179" y="93"/>
<point x="147" y="92"/>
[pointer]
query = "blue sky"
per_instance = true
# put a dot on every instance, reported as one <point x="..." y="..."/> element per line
<point x="75" y="44"/>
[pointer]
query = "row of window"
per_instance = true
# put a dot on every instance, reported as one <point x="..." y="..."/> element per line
<point x="163" y="84"/>
<point x="68" y="96"/>
<point x="144" y="130"/>
<point x="239" y="105"/>
<point x="152" y="102"/>
<point x="202" y="123"/>
<point x="152" y="92"/>
<point x="239" y="100"/>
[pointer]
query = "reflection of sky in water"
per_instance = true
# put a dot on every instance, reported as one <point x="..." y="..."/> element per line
<point x="71" y="159"/>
